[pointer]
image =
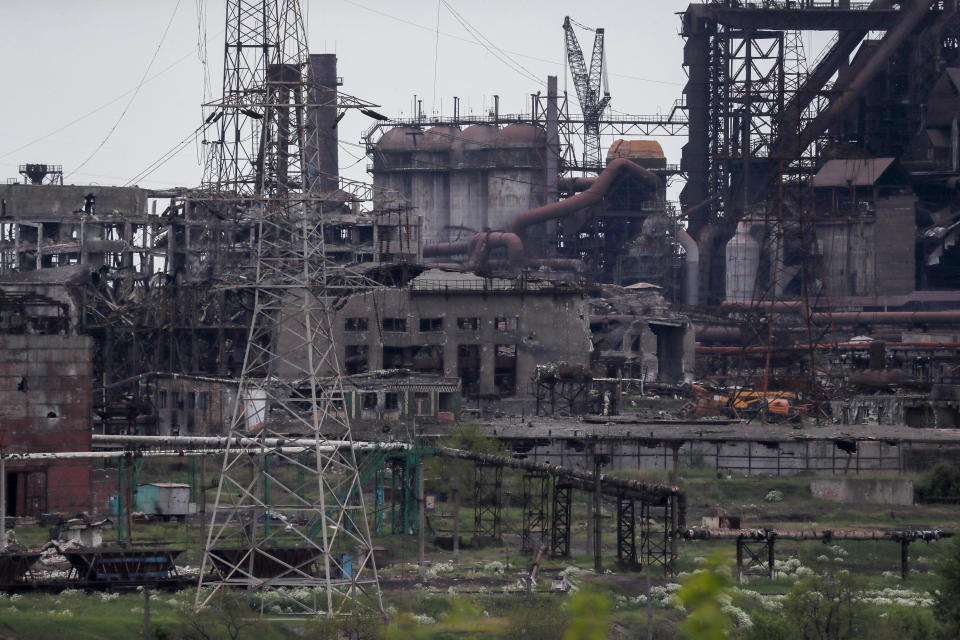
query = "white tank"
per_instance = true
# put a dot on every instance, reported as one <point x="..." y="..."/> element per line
<point x="742" y="262"/>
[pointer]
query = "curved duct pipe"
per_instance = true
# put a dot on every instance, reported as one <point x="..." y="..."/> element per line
<point x="575" y="185"/>
<point x="446" y="249"/>
<point x="478" y="248"/>
<point x="482" y="243"/>
<point x="591" y="196"/>
<point x="691" y="284"/>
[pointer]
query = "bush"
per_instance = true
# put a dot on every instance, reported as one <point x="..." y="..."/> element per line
<point x="942" y="481"/>
<point x="946" y="596"/>
<point x="820" y="608"/>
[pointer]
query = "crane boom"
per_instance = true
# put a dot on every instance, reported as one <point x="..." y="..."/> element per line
<point x="587" y="83"/>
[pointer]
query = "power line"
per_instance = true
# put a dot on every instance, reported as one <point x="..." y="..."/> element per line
<point x="475" y="43"/>
<point x="98" y="109"/>
<point x="167" y="155"/>
<point x="136" y="91"/>
<point x="491" y="48"/>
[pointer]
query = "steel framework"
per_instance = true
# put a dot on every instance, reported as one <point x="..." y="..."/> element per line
<point x="561" y="519"/>
<point x="487" y="501"/>
<point x="536" y="510"/>
<point x="294" y="525"/>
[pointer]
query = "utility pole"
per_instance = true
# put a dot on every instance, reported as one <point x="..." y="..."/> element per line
<point x="146" y="614"/>
<point x="258" y="172"/>
<point x="597" y="515"/>
<point x="3" y="499"/>
<point x="421" y="522"/>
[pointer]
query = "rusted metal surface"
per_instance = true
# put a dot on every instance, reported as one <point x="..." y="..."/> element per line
<point x="13" y="566"/>
<point x="124" y="566"/>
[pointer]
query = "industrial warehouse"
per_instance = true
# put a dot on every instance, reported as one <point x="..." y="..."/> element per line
<point x="513" y="371"/>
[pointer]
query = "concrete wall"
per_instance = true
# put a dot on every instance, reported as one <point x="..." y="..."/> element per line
<point x="44" y="200"/>
<point x="749" y="458"/>
<point x="864" y="490"/>
<point x="894" y="242"/>
<point x="549" y="328"/>
<point x="46" y="405"/>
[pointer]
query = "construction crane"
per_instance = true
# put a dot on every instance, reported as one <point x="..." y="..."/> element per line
<point x="587" y="83"/>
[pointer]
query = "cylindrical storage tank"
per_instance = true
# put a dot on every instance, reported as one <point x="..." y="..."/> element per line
<point x="471" y="156"/>
<point x="392" y="158"/>
<point x="742" y="262"/>
<point x="430" y="184"/>
<point x="517" y="182"/>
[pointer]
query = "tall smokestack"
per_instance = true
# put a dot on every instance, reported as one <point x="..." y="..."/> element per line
<point x="322" y="158"/>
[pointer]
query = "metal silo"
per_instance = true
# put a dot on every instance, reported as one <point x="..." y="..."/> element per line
<point x="516" y="182"/>
<point x="472" y="155"/>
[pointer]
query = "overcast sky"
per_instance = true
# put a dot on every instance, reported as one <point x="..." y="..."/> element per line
<point x="72" y="68"/>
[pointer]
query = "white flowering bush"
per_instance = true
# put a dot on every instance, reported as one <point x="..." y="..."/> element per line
<point x="108" y="597"/>
<point x="424" y="619"/>
<point x="741" y="620"/>
<point x="495" y="566"/>
<point x="571" y="572"/>
<point x="438" y="569"/>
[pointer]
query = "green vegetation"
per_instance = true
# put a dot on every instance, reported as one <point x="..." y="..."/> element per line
<point x="942" y="481"/>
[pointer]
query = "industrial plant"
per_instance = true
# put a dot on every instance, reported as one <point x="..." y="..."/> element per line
<point x="526" y="335"/>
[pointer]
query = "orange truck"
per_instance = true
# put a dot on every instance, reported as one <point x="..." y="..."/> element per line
<point x="778" y="405"/>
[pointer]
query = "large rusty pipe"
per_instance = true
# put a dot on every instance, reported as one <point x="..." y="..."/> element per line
<point x="446" y="249"/>
<point x="886" y="317"/>
<point x="911" y="17"/>
<point x="593" y="195"/>
<point x="482" y="243"/>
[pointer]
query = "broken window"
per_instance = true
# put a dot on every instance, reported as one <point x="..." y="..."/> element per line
<point x="357" y="359"/>
<point x="505" y="369"/>
<point x="395" y="324"/>
<point x="368" y="400"/>
<point x="471" y="324"/>
<point x="394" y="358"/>
<point x="468" y="367"/>
<point x="162" y="399"/>
<point x="422" y="402"/>
<point x="364" y="234"/>
<point x="431" y="324"/>
<point x="355" y="324"/>
<point x="203" y="399"/>
<point x="506" y="323"/>
<point x="428" y="359"/>
<point x="446" y="402"/>
<point x="391" y="401"/>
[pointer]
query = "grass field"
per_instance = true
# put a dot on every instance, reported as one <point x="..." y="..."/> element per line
<point x="481" y="595"/>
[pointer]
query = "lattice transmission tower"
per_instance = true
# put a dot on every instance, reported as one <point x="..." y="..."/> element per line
<point x="288" y="522"/>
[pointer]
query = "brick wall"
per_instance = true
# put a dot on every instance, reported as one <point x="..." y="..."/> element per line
<point x="46" y="406"/>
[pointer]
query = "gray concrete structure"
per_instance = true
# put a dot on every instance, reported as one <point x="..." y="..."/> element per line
<point x="896" y="491"/>
<point x="490" y="332"/>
